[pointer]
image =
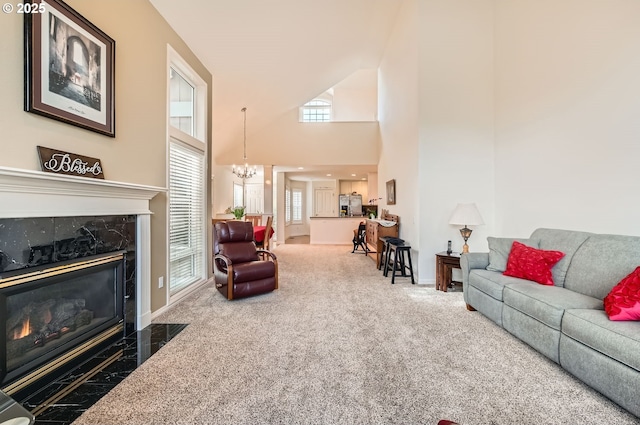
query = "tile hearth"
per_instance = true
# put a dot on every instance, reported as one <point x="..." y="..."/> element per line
<point x="90" y="381"/>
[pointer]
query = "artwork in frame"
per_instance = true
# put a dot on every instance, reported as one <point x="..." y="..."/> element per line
<point x="69" y="68"/>
<point x="391" y="192"/>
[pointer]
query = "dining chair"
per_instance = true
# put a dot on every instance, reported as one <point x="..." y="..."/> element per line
<point x="266" y="242"/>
<point x="255" y="219"/>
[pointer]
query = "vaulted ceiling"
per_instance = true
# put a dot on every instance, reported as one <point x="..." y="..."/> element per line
<point x="272" y="56"/>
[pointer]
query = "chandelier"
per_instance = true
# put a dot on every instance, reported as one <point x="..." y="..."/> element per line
<point x="245" y="172"/>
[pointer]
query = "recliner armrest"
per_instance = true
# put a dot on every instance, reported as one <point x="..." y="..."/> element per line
<point x="269" y="253"/>
<point x="228" y="262"/>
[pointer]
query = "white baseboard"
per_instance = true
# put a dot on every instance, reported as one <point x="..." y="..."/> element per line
<point x="179" y="297"/>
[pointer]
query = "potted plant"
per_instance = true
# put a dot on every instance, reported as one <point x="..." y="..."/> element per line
<point x="238" y="212"/>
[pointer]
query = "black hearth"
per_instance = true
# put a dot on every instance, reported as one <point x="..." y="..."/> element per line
<point x="52" y="314"/>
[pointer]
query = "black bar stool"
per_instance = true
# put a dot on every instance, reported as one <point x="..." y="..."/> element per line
<point x="401" y="255"/>
<point x="384" y="253"/>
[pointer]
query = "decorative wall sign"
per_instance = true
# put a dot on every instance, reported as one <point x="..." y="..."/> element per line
<point x="391" y="192"/>
<point x="59" y="162"/>
<point x="69" y="68"/>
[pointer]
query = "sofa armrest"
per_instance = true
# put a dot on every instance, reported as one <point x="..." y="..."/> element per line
<point x="472" y="260"/>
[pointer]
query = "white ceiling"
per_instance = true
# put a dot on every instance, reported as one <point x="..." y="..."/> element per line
<point x="272" y="56"/>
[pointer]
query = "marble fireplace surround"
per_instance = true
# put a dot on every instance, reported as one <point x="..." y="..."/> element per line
<point x="29" y="194"/>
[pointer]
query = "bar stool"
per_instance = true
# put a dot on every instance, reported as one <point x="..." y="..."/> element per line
<point x="384" y="252"/>
<point x="399" y="250"/>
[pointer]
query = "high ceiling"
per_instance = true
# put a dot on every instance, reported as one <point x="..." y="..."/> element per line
<point x="272" y="56"/>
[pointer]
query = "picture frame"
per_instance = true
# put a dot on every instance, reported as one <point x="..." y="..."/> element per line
<point x="69" y="67"/>
<point x="391" y="192"/>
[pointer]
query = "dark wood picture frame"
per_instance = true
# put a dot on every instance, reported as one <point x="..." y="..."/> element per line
<point x="69" y="67"/>
<point x="391" y="192"/>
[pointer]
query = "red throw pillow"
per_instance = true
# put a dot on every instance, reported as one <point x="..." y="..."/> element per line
<point x="530" y="263"/>
<point x="623" y="302"/>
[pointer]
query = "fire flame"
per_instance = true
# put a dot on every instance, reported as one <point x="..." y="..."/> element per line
<point x="22" y="331"/>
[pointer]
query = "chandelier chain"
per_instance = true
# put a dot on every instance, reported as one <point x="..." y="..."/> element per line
<point x="244" y="172"/>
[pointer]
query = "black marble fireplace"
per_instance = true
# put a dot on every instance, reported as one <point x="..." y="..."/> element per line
<point x="49" y="221"/>
<point x="66" y="286"/>
<point x="52" y="311"/>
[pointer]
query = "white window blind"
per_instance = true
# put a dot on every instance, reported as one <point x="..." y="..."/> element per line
<point x="186" y="215"/>
<point x="287" y="205"/>
<point x="297" y="205"/>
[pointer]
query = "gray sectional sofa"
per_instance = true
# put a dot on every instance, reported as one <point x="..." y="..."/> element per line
<point x="566" y="322"/>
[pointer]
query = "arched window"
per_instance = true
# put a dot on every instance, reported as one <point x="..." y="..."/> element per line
<point x="317" y="110"/>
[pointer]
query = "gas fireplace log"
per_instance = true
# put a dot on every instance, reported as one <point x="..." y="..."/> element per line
<point x="19" y="347"/>
<point x="84" y="318"/>
<point x="33" y="313"/>
<point x="63" y="313"/>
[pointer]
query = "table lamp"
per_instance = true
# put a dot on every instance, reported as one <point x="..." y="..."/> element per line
<point x="466" y="214"/>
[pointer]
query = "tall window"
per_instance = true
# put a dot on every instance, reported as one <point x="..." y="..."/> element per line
<point x="297" y="206"/>
<point x="186" y="215"/>
<point x="317" y="110"/>
<point x="187" y="175"/>
<point x="287" y="205"/>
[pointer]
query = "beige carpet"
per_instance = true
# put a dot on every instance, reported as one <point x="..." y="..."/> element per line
<point x="338" y="344"/>
<point x="304" y="239"/>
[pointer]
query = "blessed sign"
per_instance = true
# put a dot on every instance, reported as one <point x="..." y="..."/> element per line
<point x="59" y="162"/>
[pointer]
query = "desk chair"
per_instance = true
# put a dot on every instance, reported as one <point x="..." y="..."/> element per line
<point x="359" y="238"/>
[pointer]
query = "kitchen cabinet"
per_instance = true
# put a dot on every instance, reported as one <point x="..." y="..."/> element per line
<point x="361" y="187"/>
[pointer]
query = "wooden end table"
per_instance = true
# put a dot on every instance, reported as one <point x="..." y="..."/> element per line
<point x="444" y="264"/>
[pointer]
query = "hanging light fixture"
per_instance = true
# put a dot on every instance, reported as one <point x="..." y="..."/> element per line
<point x="245" y="172"/>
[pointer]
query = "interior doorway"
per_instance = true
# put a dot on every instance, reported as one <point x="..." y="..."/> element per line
<point x="324" y="205"/>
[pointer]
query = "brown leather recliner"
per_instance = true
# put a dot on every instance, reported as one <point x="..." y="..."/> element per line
<point x="240" y="270"/>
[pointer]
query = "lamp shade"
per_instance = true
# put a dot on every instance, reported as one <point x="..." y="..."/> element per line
<point x="466" y="214"/>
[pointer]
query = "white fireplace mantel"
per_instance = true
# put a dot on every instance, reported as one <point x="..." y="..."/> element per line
<point x="28" y="193"/>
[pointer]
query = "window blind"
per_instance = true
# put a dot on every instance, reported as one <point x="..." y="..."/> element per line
<point x="186" y="216"/>
<point x="297" y="205"/>
<point x="287" y="205"/>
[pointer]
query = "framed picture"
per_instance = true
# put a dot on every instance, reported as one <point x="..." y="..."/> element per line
<point x="69" y="67"/>
<point x="391" y="192"/>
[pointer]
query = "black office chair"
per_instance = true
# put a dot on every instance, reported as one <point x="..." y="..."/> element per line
<point x="359" y="239"/>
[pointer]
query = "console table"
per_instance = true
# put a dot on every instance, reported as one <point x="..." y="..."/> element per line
<point x="444" y="264"/>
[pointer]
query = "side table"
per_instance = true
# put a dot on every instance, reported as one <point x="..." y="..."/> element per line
<point x="444" y="264"/>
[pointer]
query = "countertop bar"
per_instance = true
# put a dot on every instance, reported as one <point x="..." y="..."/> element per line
<point x="333" y="230"/>
<point x="361" y="217"/>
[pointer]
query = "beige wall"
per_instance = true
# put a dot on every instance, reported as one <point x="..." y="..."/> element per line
<point x="528" y="108"/>
<point x="289" y="142"/>
<point x="399" y="126"/>
<point x="138" y="152"/>
<point x="456" y="122"/>
<point x="567" y="115"/>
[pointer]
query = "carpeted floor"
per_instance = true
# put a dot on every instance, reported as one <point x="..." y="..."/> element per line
<point x="338" y="344"/>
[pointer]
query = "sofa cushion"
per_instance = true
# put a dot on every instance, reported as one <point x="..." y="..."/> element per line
<point x="618" y="340"/>
<point x="623" y="302"/>
<point x="491" y="283"/>
<point x="546" y="303"/>
<point x="601" y="262"/>
<point x="531" y="263"/>
<point x="567" y="241"/>
<point x="499" y="249"/>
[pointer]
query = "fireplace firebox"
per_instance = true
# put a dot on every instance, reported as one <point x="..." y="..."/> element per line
<point x="50" y="315"/>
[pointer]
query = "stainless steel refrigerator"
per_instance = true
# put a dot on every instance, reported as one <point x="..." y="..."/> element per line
<point x="350" y="205"/>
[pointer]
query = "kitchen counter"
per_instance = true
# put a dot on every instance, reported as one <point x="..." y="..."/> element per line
<point x="333" y="230"/>
<point x="361" y="217"/>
